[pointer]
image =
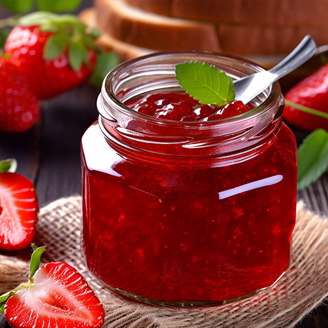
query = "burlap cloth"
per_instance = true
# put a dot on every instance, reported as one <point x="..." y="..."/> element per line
<point x="303" y="287"/>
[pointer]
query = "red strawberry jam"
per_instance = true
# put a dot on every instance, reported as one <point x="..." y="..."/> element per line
<point x="182" y="107"/>
<point x="177" y="211"/>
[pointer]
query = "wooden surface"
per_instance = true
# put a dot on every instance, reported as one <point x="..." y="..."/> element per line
<point x="49" y="155"/>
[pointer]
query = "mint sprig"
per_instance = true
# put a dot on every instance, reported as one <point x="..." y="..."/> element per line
<point x="205" y="83"/>
<point x="312" y="158"/>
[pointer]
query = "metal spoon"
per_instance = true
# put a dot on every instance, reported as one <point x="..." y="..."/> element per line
<point x="248" y="87"/>
<point x="319" y="59"/>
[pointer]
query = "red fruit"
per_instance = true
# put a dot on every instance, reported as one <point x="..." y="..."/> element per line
<point x="18" y="211"/>
<point x="55" y="61"/>
<point x="59" y="297"/>
<point x="311" y="92"/>
<point x="19" y="108"/>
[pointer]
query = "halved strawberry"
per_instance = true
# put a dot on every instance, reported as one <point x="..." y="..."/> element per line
<point x="55" y="296"/>
<point x="59" y="297"/>
<point x="18" y="211"/>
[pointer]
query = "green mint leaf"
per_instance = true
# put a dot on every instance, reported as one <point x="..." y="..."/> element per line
<point x="58" y="5"/>
<point x="55" y="46"/>
<point x="205" y="83"/>
<point x="35" y="259"/>
<point x="18" y="6"/>
<point x="37" y="18"/>
<point x="312" y="158"/>
<point x="105" y="62"/>
<point x="8" y="165"/>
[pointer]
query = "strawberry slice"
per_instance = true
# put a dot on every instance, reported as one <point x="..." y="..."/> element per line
<point x="18" y="211"/>
<point x="59" y="297"/>
<point x="56" y="295"/>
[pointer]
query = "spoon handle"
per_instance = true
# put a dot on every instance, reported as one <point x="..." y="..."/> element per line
<point x="248" y="87"/>
<point x="303" y="52"/>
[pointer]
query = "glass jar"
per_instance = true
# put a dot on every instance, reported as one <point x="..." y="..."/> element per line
<point x="187" y="213"/>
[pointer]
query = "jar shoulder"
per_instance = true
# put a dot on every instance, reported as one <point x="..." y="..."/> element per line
<point x="286" y="144"/>
<point x="97" y="155"/>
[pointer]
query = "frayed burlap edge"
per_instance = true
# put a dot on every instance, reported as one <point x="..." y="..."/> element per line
<point x="302" y="287"/>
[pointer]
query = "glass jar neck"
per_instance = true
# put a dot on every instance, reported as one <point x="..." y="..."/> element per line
<point x="144" y="136"/>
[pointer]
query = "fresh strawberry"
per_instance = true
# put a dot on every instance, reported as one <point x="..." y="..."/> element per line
<point x="19" y="108"/>
<point x="54" y="52"/>
<point x="311" y="92"/>
<point x="59" y="297"/>
<point x="56" y="295"/>
<point x="18" y="211"/>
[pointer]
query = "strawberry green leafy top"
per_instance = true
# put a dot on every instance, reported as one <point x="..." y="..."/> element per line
<point x="68" y="32"/>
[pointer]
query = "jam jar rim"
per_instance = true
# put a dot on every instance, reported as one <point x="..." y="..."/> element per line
<point x="259" y="110"/>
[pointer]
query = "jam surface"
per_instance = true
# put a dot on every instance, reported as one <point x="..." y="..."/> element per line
<point x="199" y="233"/>
<point x="182" y="107"/>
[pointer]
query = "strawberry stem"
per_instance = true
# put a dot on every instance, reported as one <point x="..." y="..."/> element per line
<point x="9" y="22"/>
<point x="306" y="109"/>
<point x="24" y="285"/>
<point x="35" y="260"/>
<point x="35" y="263"/>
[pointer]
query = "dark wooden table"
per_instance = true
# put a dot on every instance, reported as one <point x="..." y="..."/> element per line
<point x="49" y="155"/>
